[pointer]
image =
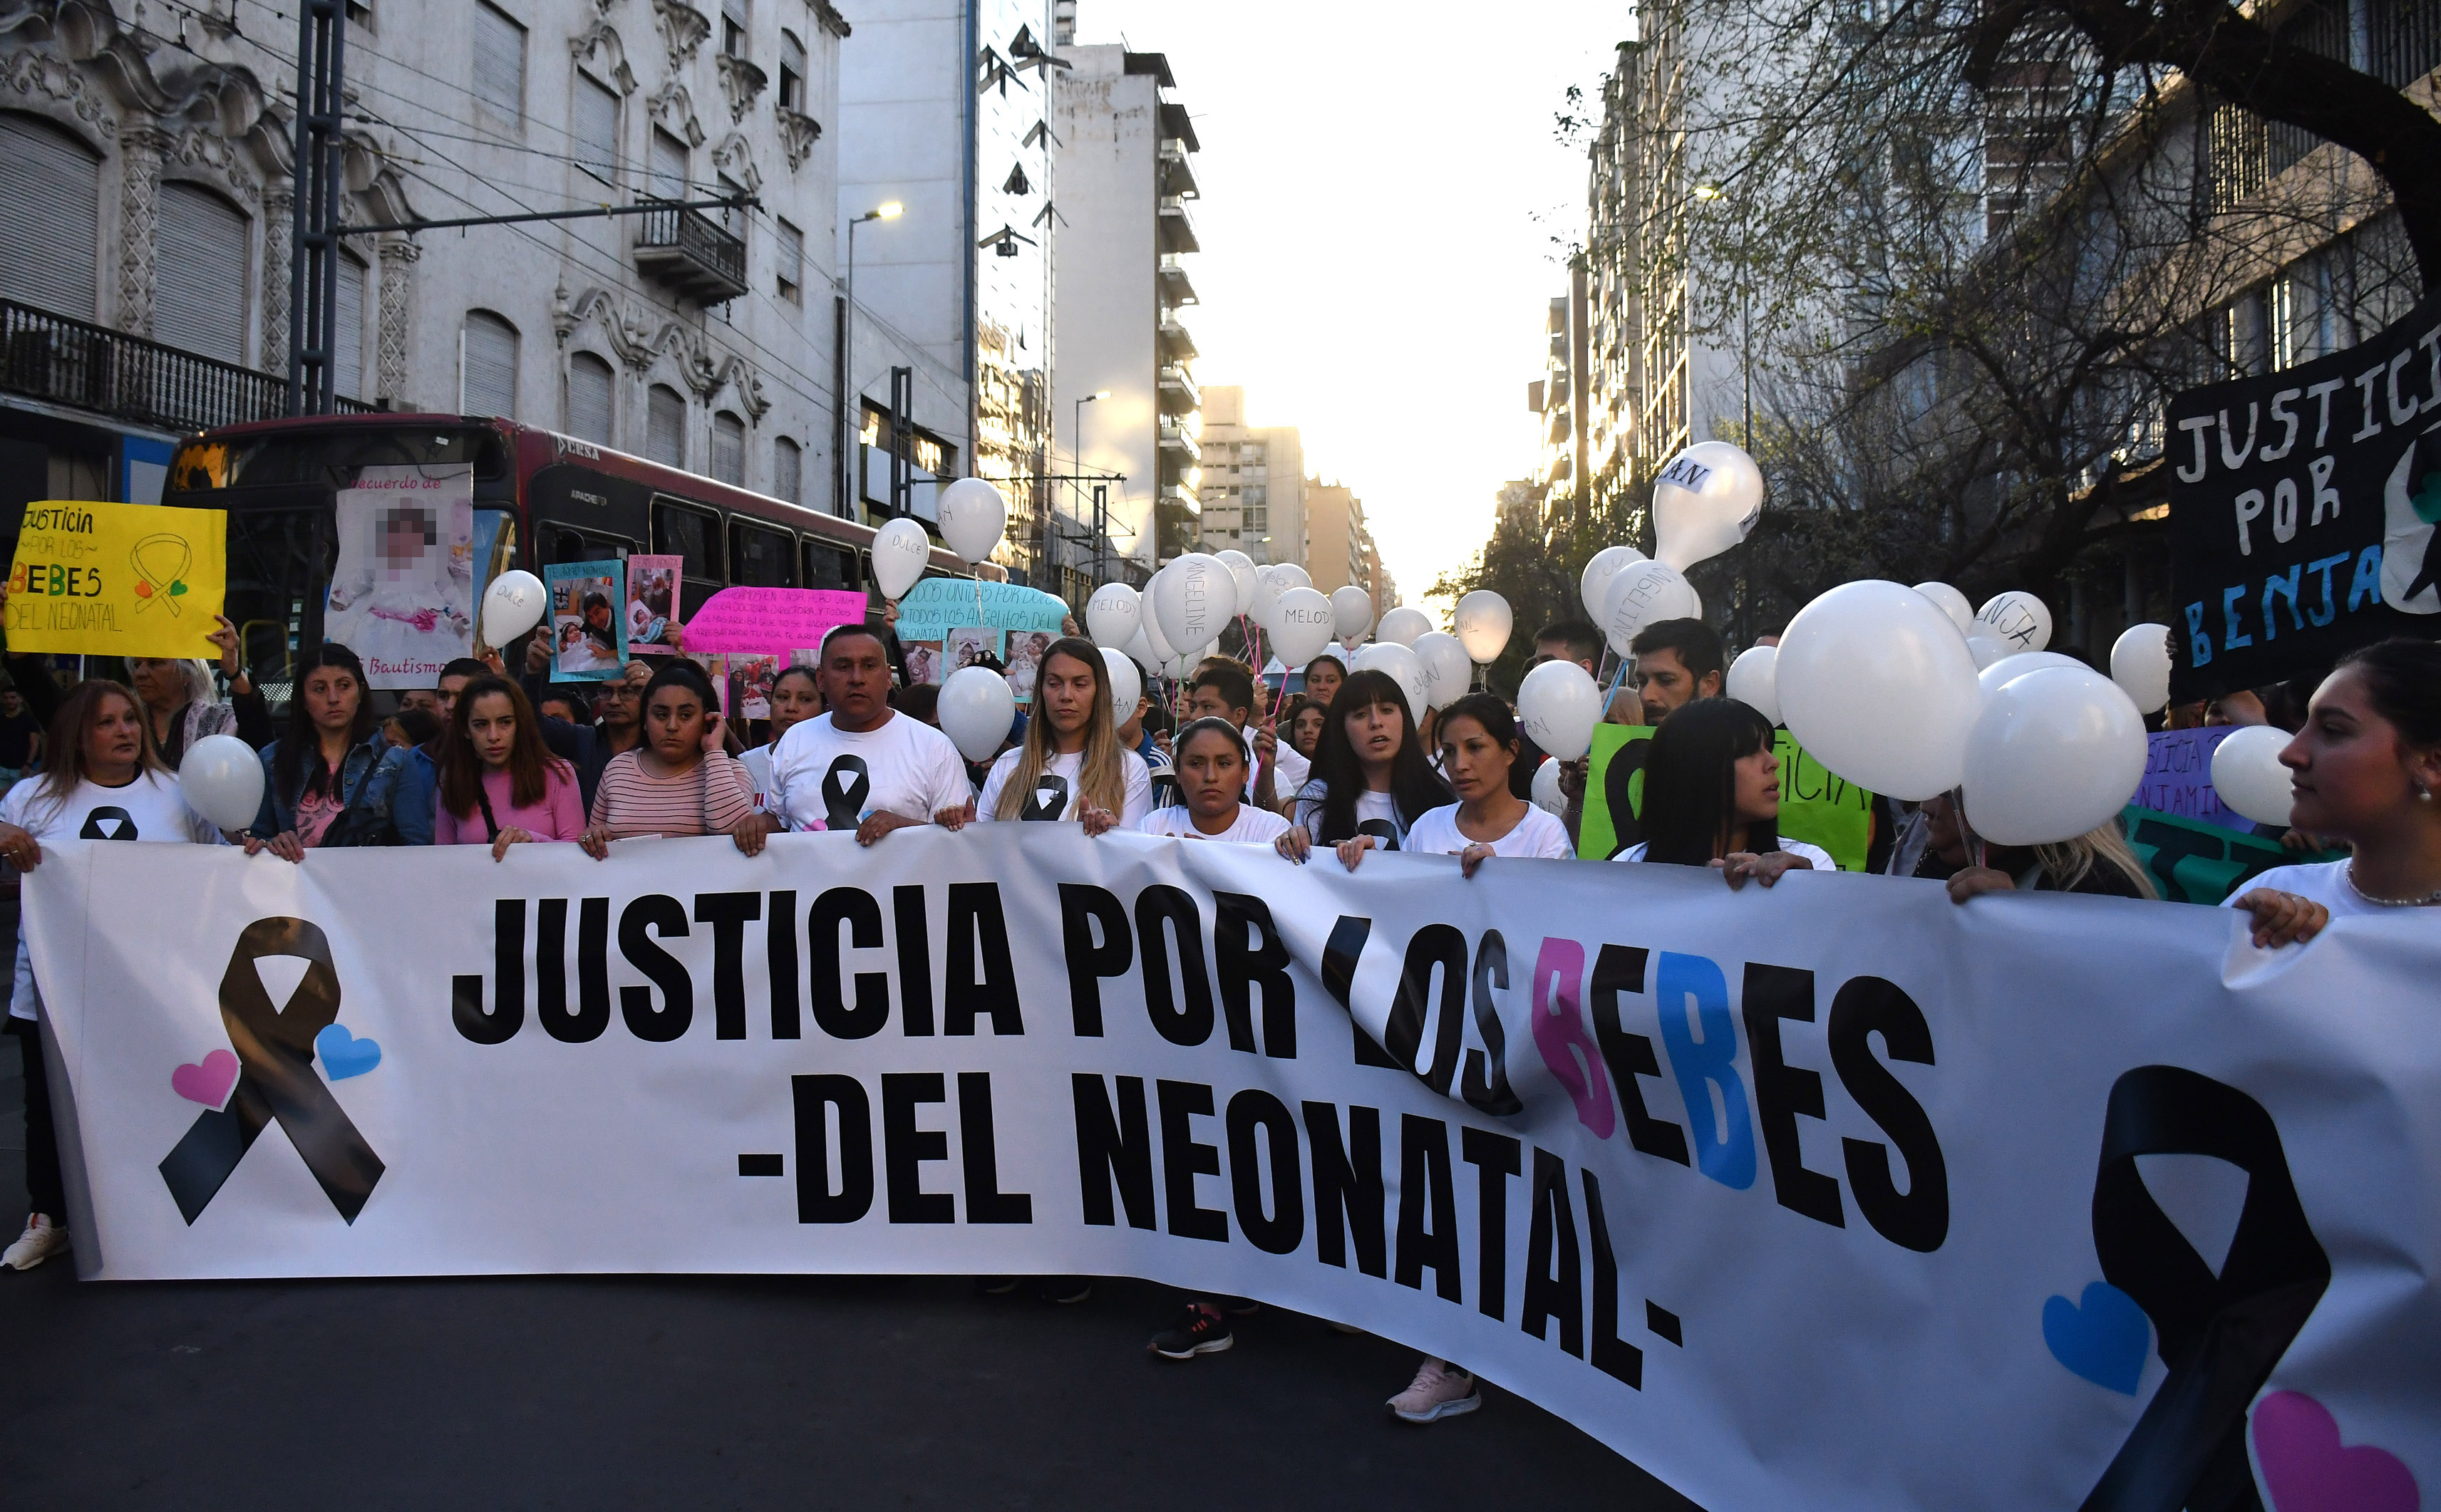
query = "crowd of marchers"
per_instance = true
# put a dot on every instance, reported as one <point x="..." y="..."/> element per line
<point x="1321" y="759"/>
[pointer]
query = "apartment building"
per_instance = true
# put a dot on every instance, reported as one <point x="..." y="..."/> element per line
<point x="1254" y="482"/>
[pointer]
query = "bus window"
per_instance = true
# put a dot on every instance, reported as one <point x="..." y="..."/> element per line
<point x="759" y="556"/>
<point x="686" y="531"/>
<point x="566" y="543"/>
<point x="830" y="567"/>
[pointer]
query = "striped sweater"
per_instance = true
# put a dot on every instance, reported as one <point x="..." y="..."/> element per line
<point x="710" y="798"/>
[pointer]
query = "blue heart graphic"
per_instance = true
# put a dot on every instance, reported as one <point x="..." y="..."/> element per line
<point x="344" y="1055"/>
<point x="2103" y="1336"/>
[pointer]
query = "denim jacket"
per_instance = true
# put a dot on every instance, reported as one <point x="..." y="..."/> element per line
<point x="407" y="786"/>
<point x="278" y="812"/>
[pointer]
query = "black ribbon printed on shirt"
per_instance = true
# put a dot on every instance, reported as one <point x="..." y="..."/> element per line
<point x="2219" y="1335"/>
<point x="108" y="822"/>
<point x="276" y="1079"/>
<point x="1381" y="829"/>
<point x="842" y="800"/>
<point x="1049" y="799"/>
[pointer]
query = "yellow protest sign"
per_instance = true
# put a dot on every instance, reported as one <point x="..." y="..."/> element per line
<point x="118" y="580"/>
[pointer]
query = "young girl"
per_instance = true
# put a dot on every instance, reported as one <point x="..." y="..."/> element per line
<point x="1071" y="766"/>
<point x="1306" y="717"/>
<point x="1370" y="778"/>
<point x="1479" y="747"/>
<point x="105" y="781"/>
<point x="796" y="696"/>
<point x="1211" y="771"/>
<point x="499" y="784"/>
<point x="324" y="761"/>
<point x="1711" y="796"/>
<point x="680" y="780"/>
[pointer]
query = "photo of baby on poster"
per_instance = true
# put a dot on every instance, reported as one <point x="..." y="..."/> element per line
<point x="403" y="595"/>
<point x="588" y="640"/>
<point x="653" y="605"/>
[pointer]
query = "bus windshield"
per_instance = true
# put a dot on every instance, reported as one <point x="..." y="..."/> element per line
<point x="332" y="459"/>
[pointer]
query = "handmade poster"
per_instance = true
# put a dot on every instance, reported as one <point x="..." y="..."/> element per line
<point x="2302" y="512"/>
<point x="117" y="580"/>
<point x="967" y="647"/>
<point x="2196" y="862"/>
<point x="772" y="622"/>
<point x="1027" y="649"/>
<point x="402" y="596"/>
<point x="1815" y="805"/>
<point x="588" y="638"/>
<point x="652" y="594"/>
<point x="754" y="675"/>
<point x="937" y="605"/>
<point x="2178" y="777"/>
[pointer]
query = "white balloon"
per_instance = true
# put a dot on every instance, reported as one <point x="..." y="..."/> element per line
<point x="2057" y="753"/>
<point x="1293" y="576"/>
<point x="2017" y="621"/>
<point x="1193" y="598"/>
<point x="901" y="552"/>
<point x="1113" y="614"/>
<point x="1263" y="608"/>
<point x="2010" y="668"/>
<point x="1876" y="684"/>
<point x="1985" y="651"/>
<point x="1241" y="568"/>
<point x="1642" y="594"/>
<point x="1593" y="584"/>
<point x="1953" y="603"/>
<point x="221" y="777"/>
<point x="1127" y="684"/>
<point x="975" y="711"/>
<point x="2247" y="773"/>
<point x="1404" y="624"/>
<point x="2139" y="664"/>
<point x="1754" y="681"/>
<point x="973" y="518"/>
<point x="1351" y="612"/>
<point x="1704" y="503"/>
<point x="1484" y="620"/>
<point x="1304" y="626"/>
<point x="1140" y="650"/>
<point x="1148" y="629"/>
<point x="1548" y="795"/>
<point x="1558" y="706"/>
<point x="511" y="606"/>
<point x="1449" y="671"/>
<point x="1404" y="667"/>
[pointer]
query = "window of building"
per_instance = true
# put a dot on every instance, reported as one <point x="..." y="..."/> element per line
<point x="51" y="218"/>
<point x="666" y="416"/>
<point x="668" y="166"/>
<point x="733" y="28"/>
<point x="590" y="403"/>
<point x="760" y="557"/>
<point x="790" y="255"/>
<point x="347" y="329"/>
<point x="728" y="448"/>
<point x="595" y="123"/>
<point x="500" y="69"/>
<point x="487" y="365"/>
<point x="792" y="72"/>
<point x="787" y="471"/>
<point x="199" y="273"/>
<point x="1258" y="518"/>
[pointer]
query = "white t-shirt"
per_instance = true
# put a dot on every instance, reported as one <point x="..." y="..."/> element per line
<point x="1253" y="826"/>
<point x="1538" y="835"/>
<point x="1377" y="813"/>
<point x="1289" y="769"/>
<point x="1055" y="791"/>
<point x="2326" y="883"/>
<point x="827" y="778"/>
<point x="758" y="771"/>
<point x="149" y="808"/>
<point x="1814" y="854"/>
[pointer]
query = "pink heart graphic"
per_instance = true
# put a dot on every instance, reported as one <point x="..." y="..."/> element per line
<point x="2297" y="1442"/>
<point x="210" y="1083"/>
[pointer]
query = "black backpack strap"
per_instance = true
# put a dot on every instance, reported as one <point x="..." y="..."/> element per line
<point x="491" y="825"/>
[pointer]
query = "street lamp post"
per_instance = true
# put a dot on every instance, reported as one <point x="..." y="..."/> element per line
<point x="847" y="395"/>
<point x="1077" y="448"/>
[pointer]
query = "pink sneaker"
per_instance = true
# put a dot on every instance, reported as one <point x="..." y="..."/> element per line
<point x="1439" y="1390"/>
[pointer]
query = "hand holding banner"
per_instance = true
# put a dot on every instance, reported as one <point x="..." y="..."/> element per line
<point x="118" y="580"/>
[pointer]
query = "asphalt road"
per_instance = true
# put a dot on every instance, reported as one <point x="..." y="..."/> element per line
<point x="717" y="1392"/>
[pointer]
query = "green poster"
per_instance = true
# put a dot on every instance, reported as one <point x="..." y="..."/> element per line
<point x="2195" y="862"/>
<point x="1814" y="804"/>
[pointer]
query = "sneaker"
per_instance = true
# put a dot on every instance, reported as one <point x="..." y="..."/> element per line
<point x="1439" y="1390"/>
<point x="995" y="1285"/>
<point x="1064" y="1290"/>
<point x="43" y="1240"/>
<point x="1204" y="1333"/>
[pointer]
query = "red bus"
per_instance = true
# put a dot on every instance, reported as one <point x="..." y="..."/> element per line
<point x="560" y="499"/>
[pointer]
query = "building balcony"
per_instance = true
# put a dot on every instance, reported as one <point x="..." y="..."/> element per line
<point x="78" y="365"/>
<point x="1177" y="226"/>
<point x="692" y="253"/>
<point x="1177" y="126"/>
<point x="1179" y="496"/>
<point x="1175" y="289"/>
<point x="1172" y="172"/>
<point x="1177" y="435"/>
<point x="1175" y="344"/>
<point x="1179" y="395"/>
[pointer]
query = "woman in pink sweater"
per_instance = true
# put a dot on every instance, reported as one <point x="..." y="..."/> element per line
<point x="499" y="784"/>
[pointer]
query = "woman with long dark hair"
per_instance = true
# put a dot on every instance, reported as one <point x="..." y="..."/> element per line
<point x="2365" y="768"/>
<point x="681" y="779"/>
<point x="1478" y="738"/>
<point x="499" y="784"/>
<point x="323" y="763"/>
<point x="1371" y="779"/>
<point x="104" y="782"/>
<point x="1071" y="765"/>
<point x="1711" y="796"/>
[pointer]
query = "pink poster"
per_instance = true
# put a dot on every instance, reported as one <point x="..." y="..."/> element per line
<point x="770" y="622"/>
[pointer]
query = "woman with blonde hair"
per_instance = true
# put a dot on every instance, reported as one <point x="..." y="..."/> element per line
<point x="2097" y="862"/>
<point x="179" y="704"/>
<point x="1071" y="766"/>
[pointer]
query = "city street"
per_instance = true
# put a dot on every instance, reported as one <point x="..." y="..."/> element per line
<point x="607" y="1392"/>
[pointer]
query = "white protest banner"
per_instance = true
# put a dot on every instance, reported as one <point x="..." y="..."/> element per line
<point x="1831" y="1196"/>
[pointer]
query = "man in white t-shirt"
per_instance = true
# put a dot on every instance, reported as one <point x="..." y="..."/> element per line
<point x="863" y="765"/>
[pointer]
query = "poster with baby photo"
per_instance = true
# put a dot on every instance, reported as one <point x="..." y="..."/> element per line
<point x="588" y="640"/>
<point x="403" y="594"/>
<point x="653" y="605"/>
<point x="1027" y="649"/>
<point x="967" y="646"/>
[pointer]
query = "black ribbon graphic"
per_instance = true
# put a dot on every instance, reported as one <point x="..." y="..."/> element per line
<point x="122" y="824"/>
<point x="276" y="1080"/>
<point x="1381" y="829"/>
<point x="843" y="802"/>
<point x="2219" y="1335"/>
<point x="1049" y="799"/>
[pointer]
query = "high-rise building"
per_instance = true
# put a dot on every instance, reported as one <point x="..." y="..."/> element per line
<point x="1339" y="544"/>
<point x="1126" y="183"/>
<point x="1254" y="482"/>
